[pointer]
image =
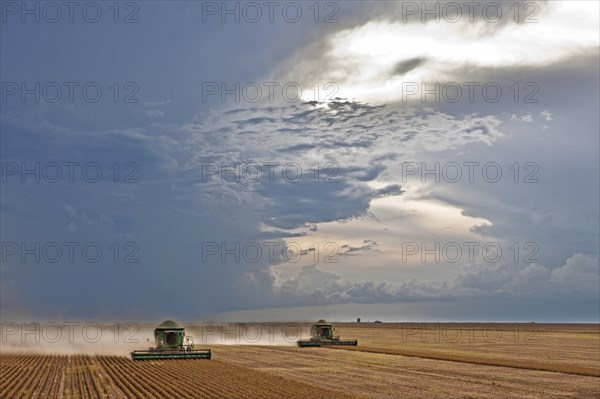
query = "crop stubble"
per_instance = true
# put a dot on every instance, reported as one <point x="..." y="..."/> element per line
<point x="390" y="361"/>
<point x="114" y="377"/>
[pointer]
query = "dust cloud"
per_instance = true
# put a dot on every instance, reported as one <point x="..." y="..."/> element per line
<point x="120" y="339"/>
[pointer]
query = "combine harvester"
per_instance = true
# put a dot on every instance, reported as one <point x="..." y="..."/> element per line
<point x="171" y="343"/>
<point x="323" y="333"/>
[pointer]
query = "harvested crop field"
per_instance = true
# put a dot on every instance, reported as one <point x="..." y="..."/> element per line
<point x="391" y="360"/>
<point x="114" y="377"/>
<point x="572" y="349"/>
<point x="373" y="375"/>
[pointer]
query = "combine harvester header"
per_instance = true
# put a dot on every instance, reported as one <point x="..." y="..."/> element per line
<point x="171" y="343"/>
<point x="323" y="333"/>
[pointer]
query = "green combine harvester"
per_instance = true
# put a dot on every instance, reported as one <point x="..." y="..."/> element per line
<point x="323" y="333"/>
<point x="171" y="343"/>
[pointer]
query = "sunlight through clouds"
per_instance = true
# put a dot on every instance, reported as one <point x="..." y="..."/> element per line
<point x="371" y="62"/>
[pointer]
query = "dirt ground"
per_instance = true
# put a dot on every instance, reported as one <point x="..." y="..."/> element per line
<point x="565" y="348"/>
<point x="383" y="376"/>
<point x="486" y="361"/>
<point x="391" y="361"/>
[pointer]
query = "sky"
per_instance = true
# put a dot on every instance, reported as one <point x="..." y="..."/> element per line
<point x="298" y="160"/>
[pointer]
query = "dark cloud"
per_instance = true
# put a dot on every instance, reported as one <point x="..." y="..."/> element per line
<point x="407" y="65"/>
<point x="392" y="189"/>
<point x="175" y="208"/>
<point x="349" y="250"/>
<point x="346" y="155"/>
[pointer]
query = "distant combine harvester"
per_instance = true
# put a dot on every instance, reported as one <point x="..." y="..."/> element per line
<point x="323" y="333"/>
<point x="171" y="343"/>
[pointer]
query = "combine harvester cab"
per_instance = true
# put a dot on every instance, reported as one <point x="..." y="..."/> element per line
<point x="171" y="343"/>
<point x="323" y="333"/>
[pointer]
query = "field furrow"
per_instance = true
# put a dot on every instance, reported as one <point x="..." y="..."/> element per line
<point x="99" y="377"/>
<point x="392" y="360"/>
<point x="375" y="375"/>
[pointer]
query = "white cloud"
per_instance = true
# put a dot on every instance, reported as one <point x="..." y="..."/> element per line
<point x="356" y="140"/>
<point x="579" y="274"/>
<point x="375" y="61"/>
<point x="525" y="118"/>
<point x="153" y="108"/>
<point x="546" y="114"/>
<point x="579" y="277"/>
<point x="154" y="113"/>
